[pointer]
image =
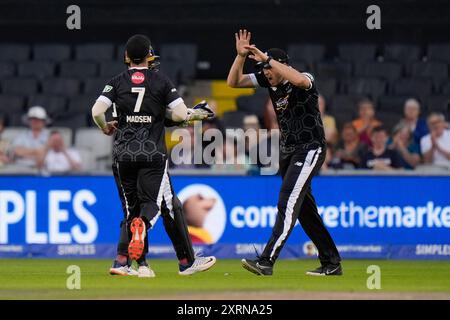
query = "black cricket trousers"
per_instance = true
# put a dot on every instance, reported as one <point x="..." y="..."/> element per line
<point x="145" y="190"/>
<point x="297" y="202"/>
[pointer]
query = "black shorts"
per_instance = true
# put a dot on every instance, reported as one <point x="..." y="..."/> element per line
<point x="143" y="187"/>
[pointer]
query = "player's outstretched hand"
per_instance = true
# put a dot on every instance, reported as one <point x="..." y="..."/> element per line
<point x="255" y="53"/>
<point x="242" y="40"/>
<point x="110" y="128"/>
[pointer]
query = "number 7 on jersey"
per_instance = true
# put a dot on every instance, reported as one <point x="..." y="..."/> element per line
<point x="140" y="91"/>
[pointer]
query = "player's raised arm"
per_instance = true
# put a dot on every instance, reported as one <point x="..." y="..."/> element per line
<point x="236" y="77"/>
<point x="295" y="77"/>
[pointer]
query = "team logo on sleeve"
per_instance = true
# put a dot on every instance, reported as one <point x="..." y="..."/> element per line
<point x="107" y="88"/>
<point x="137" y="78"/>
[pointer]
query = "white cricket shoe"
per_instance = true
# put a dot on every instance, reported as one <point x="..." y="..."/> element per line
<point x="122" y="271"/>
<point x="200" y="264"/>
<point x="145" y="272"/>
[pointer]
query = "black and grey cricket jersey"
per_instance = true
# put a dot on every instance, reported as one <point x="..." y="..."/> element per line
<point x="297" y="113"/>
<point x="140" y="98"/>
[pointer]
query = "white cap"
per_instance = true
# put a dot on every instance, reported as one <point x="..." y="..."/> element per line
<point x="37" y="112"/>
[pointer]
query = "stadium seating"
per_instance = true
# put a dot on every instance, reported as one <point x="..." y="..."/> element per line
<point x="61" y="86"/>
<point x="37" y="69"/>
<point x="78" y="69"/>
<point x="334" y="69"/>
<point x="439" y="52"/>
<point x="178" y="61"/>
<point x="94" y="52"/>
<point x="385" y="70"/>
<point x="95" y="142"/>
<point x="111" y="68"/>
<point x="392" y="104"/>
<point x="402" y="53"/>
<point x="368" y="87"/>
<point x="19" y="86"/>
<point x="71" y="120"/>
<point x="308" y="53"/>
<point x="413" y="87"/>
<point x="326" y="86"/>
<point x="7" y="69"/>
<point x="55" y="105"/>
<point x="11" y="104"/>
<point x="94" y="86"/>
<point x="14" y="52"/>
<point x="81" y="104"/>
<point x="357" y="52"/>
<point x="439" y="103"/>
<point x="52" y="52"/>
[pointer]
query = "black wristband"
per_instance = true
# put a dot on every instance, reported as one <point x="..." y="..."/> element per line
<point x="268" y="60"/>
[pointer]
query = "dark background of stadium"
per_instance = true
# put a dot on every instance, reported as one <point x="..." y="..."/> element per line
<point x="211" y="23"/>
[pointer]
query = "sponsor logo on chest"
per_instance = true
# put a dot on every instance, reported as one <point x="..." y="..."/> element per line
<point x="137" y="78"/>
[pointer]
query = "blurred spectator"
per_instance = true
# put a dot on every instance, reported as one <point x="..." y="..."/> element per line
<point x="184" y="159"/>
<point x="404" y="144"/>
<point x="366" y="121"/>
<point x="350" y="149"/>
<point x="379" y="157"/>
<point x="417" y="126"/>
<point x="57" y="158"/>
<point x="29" y="146"/>
<point x="4" y="144"/>
<point x="233" y="160"/>
<point x="251" y="122"/>
<point x="269" y="116"/>
<point x="328" y="162"/>
<point x="215" y="122"/>
<point x="435" y="146"/>
<point x="329" y="123"/>
<point x="258" y="146"/>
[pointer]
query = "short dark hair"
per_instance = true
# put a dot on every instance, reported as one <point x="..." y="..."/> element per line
<point x="365" y="100"/>
<point x="349" y="125"/>
<point x="379" y="129"/>
<point x="54" y="132"/>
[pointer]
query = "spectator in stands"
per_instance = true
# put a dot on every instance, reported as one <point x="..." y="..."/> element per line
<point x="404" y="144"/>
<point x="417" y="125"/>
<point x="28" y="147"/>
<point x="57" y="158"/>
<point x="329" y="123"/>
<point x="366" y="121"/>
<point x="4" y="144"/>
<point x="233" y="160"/>
<point x="379" y="157"/>
<point x="435" y="146"/>
<point x="215" y="122"/>
<point x="256" y="142"/>
<point x="350" y="149"/>
<point x="185" y="158"/>
<point x="269" y="116"/>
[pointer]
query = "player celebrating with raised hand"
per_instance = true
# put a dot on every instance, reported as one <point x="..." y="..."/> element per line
<point x="302" y="152"/>
<point x="143" y="98"/>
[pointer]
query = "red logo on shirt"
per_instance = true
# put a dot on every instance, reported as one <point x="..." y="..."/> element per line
<point x="137" y="78"/>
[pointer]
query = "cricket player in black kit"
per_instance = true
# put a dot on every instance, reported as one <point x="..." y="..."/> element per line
<point x="302" y="152"/>
<point x="143" y="98"/>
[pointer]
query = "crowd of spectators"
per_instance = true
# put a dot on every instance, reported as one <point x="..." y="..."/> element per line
<point x="365" y="143"/>
<point x="38" y="147"/>
<point x="415" y="141"/>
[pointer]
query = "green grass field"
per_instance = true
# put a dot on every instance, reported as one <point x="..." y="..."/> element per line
<point x="46" y="279"/>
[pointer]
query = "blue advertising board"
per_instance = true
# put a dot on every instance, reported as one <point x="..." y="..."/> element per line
<point x="398" y="217"/>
